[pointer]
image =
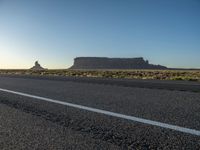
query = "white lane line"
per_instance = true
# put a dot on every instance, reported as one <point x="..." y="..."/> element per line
<point x="108" y="113"/>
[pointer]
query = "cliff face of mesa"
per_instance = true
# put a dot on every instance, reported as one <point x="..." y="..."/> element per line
<point x="113" y="63"/>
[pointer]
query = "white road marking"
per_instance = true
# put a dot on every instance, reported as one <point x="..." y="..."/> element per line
<point x="108" y="113"/>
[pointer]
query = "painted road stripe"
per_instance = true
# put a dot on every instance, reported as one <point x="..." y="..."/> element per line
<point x="108" y="113"/>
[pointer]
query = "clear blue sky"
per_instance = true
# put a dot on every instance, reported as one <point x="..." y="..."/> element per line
<point x="165" y="32"/>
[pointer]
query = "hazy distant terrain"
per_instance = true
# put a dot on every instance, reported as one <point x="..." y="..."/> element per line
<point x="113" y="63"/>
<point x="185" y="75"/>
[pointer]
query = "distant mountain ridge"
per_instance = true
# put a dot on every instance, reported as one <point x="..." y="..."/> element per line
<point x="113" y="63"/>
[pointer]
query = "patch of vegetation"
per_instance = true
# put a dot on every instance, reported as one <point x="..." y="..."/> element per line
<point x="184" y="75"/>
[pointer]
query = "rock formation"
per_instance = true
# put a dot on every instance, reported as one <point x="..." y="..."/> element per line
<point x="113" y="63"/>
<point x="37" y="66"/>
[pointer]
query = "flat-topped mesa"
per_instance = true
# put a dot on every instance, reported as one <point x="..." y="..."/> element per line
<point x="113" y="63"/>
<point x="37" y="67"/>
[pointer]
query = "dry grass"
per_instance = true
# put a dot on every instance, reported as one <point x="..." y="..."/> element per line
<point x="186" y="75"/>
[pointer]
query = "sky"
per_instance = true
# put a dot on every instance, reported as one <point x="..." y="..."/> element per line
<point x="165" y="32"/>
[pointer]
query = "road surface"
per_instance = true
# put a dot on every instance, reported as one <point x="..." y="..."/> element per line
<point x="86" y="113"/>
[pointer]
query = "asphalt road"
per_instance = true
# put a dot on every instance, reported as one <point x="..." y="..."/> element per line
<point x="28" y="123"/>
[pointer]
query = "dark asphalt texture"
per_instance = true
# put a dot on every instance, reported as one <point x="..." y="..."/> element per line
<point x="192" y="86"/>
<point x="31" y="124"/>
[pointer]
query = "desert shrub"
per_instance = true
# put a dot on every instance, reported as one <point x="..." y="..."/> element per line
<point x="130" y="74"/>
